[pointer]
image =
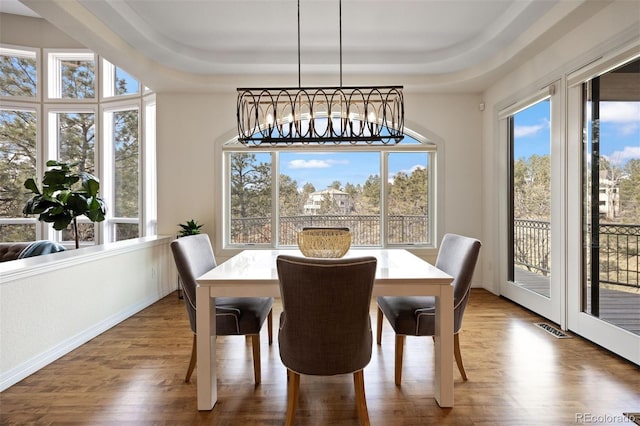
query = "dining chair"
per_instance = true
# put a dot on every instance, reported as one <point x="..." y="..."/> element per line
<point x="234" y="315"/>
<point x="325" y="327"/>
<point x="415" y="315"/>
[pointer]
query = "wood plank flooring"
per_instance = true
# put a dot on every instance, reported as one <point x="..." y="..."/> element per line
<point x="518" y="375"/>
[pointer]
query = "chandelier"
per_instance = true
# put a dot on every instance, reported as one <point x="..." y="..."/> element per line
<point x="303" y="115"/>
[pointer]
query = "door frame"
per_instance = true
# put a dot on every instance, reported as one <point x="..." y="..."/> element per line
<point x="551" y="307"/>
<point x="609" y="336"/>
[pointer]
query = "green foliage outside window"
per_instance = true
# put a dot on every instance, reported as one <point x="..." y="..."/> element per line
<point x="351" y="204"/>
<point x="75" y="139"/>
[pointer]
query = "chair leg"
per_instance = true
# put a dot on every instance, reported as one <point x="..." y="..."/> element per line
<point x="255" y="343"/>
<point x="399" y="351"/>
<point x="293" y="389"/>
<point x="361" y="400"/>
<point x="192" y="363"/>
<point x="458" y="355"/>
<point x="270" y="326"/>
<point x="380" y="317"/>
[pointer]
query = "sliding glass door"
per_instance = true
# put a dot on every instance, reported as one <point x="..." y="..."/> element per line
<point x="605" y="305"/>
<point x="611" y="198"/>
<point x="530" y="270"/>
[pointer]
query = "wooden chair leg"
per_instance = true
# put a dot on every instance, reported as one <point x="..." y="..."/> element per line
<point x="255" y="343"/>
<point x="458" y="355"/>
<point x="192" y="363"/>
<point x="399" y="350"/>
<point x="293" y="389"/>
<point x="380" y="317"/>
<point x="361" y="400"/>
<point x="270" y="326"/>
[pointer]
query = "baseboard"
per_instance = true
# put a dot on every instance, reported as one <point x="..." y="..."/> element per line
<point x="13" y="376"/>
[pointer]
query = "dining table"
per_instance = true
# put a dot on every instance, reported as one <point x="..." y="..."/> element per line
<point x="253" y="273"/>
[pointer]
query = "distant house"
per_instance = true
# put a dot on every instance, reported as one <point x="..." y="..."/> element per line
<point x="339" y="201"/>
<point x="609" y="198"/>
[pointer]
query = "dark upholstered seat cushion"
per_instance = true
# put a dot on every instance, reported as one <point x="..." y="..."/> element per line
<point x="407" y="313"/>
<point x="325" y="327"/>
<point x="241" y="315"/>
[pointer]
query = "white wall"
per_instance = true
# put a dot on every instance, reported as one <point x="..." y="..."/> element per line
<point x="189" y="125"/>
<point x="616" y="25"/>
<point x="50" y="305"/>
<point x="33" y="32"/>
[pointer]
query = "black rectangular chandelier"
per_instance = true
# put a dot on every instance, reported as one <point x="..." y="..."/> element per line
<point x="303" y="115"/>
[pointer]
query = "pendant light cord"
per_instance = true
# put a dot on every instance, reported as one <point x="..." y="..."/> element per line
<point x="340" y="16"/>
<point x="340" y="23"/>
<point x="299" y="81"/>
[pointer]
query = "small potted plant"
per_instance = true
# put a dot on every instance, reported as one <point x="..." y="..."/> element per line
<point x="65" y="195"/>
<point x="191" y="227"/>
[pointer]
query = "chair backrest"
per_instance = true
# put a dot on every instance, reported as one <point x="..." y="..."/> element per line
<point x="325" y="327"/>
<point x="193" y="256"/>
<point x="457" y="257"/>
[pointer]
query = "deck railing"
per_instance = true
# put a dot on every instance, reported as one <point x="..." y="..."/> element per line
<point x="619" y="244"/>
<point x="619" y="256"/>
<point x="365" y="229"/>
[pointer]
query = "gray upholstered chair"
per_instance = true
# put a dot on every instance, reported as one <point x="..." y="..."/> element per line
<point x="325" y="327"/>
<point x="234" y="315"/>
<point x="415" y="316"/>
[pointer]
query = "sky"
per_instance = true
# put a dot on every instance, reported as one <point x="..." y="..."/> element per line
<point x="619" y="134"/>
<point x="619" y="131"/>
<point x="322" y="169"/>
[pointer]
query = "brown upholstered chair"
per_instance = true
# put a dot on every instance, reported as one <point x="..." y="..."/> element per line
<point x="415" y="316"/>
<point x="234" y="315"/>
<point x="325" y="327"/>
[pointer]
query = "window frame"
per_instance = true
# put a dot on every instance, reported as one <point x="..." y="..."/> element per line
<point x="52" y="60"/>
<point x="144" y="101"/>
<point x="8" y="49"/>
<point x="108" y="188"/>
<point x="424" y="145"/>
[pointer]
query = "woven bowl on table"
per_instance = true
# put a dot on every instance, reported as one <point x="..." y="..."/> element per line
<point x="324" y="242"/>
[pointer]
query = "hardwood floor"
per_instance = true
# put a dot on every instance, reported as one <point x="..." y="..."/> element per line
<point x="518" y="375"/>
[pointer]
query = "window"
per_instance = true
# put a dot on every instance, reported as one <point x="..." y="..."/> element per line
<point x="17" y="163"/>
<point x="611" y="175"/>
<point x="530" y="188"/>
<point x="273" y="193"/>
<point x="72" y="75"/>
<point x="117" y="82"/>
<point x="121" y="127"/>
<point x="101" y="132"/>
<point x="18" y="73"/>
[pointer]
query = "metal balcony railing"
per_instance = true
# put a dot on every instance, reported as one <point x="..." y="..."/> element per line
<point x="619" y="256"/>
<point x="365" y="229"/>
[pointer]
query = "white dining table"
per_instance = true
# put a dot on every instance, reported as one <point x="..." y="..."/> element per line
<point x="253" y="273"/>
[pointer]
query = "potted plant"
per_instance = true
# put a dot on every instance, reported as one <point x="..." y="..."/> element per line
<point x="65" y="195"/>
<point x="191" y="227"/>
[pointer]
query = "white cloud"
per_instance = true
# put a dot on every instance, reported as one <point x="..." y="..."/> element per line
<point x="314" y="164"/>
<point x="620" y="112"/>
<point x="621" y="157"/>
<point x="523" y="131"/>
